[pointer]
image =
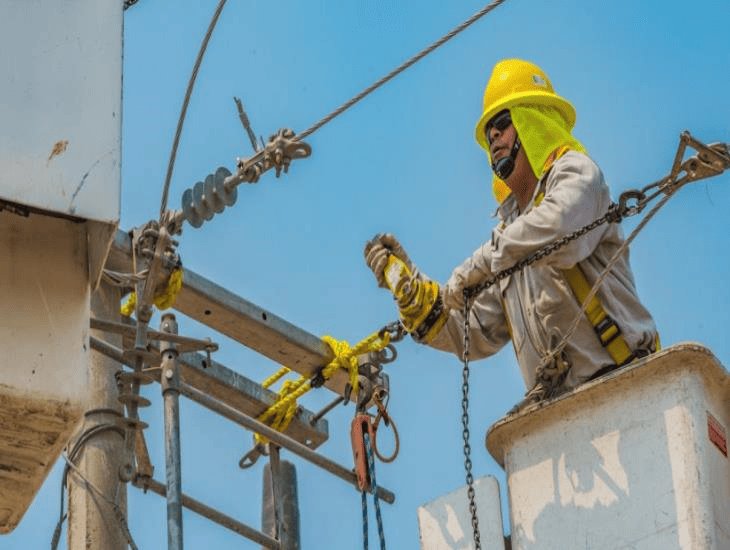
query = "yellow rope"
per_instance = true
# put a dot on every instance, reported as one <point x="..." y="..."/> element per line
<point x="164" y="300"/>
<point x="345" y="357"/>
<point x="283" y="371"/>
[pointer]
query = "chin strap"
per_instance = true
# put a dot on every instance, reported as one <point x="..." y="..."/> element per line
<point x="504" y="166"/>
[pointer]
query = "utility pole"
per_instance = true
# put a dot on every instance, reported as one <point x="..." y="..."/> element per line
<point x="93" y="521"/>
<point x="280" y="508"/>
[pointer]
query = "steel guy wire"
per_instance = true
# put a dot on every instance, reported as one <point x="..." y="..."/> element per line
<point x="395" y="72"/>
<point x="186" y="101"/>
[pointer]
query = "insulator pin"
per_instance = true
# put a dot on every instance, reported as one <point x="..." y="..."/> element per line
<point x="208" y="198"/>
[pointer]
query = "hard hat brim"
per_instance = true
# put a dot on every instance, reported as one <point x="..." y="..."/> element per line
<point x="547" y="99"/>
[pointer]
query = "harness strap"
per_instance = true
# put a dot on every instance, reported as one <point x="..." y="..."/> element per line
<point x="608" y="332"/>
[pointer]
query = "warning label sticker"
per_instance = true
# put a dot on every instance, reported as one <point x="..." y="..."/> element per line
<point x="717" y="434"/>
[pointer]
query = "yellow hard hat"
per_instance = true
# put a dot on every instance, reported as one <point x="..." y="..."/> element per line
<point x="513" y="82"/>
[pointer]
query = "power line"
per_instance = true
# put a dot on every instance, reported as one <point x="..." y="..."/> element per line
<point x="186" y="101"/>
<point x="395" y="72"/>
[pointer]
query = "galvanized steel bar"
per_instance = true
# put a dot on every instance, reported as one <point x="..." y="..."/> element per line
<point x="243" y="321"/>
<point x="281" y="440"/>
<point x="211" y="514"/>
<point x="233" y="389"/>
<point x="170" y="381"/>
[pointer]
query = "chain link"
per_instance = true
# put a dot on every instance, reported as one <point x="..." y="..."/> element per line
<point x="615" y="214"/>
<point x="465" y="431"/>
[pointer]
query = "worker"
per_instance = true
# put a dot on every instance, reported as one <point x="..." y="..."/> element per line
<point x="546" y="187"/>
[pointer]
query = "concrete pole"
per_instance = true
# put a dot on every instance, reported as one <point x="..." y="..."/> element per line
<point x="285" y="506"/>
<point x="92" y="521"/>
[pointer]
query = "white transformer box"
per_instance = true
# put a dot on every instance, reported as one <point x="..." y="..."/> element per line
<point x="60" y="135"/>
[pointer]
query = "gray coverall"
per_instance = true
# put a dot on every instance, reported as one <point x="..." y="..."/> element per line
<point x="536" y="306"/>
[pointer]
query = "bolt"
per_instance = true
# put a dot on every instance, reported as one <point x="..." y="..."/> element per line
<point x="168" y="374"/>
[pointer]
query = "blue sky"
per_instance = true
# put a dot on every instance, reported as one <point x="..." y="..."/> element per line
<point x="403" y="160"/>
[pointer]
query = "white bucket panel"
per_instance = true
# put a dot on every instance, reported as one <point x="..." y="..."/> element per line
<point x="445" y="523"/>
<point x="44" y="330"/>
<point x="624" y="462"/>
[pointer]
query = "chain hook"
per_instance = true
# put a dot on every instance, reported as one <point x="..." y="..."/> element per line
<point x="251" y="457"/>
<point x="630" y="203"/>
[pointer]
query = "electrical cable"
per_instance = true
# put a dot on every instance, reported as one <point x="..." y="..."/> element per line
<point x="395" y="72"/>
<point x="186" y="101"/>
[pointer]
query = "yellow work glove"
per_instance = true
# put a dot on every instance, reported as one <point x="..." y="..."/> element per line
<point x="379" y="249"/>
<point x="421" y="311"/>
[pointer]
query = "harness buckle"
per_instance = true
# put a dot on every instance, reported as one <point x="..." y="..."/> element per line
<point x="603" y="329"/>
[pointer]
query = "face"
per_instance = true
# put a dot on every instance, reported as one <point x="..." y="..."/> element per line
<point x="500" y="134"/>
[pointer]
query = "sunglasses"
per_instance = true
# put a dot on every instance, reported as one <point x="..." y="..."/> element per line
<point x="501" y="121"/>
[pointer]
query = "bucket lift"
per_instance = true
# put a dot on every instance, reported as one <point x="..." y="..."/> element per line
<point x="635" y="459"/>
<point x="59" y="208"/>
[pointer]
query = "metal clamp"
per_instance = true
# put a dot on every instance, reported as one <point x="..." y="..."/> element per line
<point x="710" y="160"/>
<point x="278" y="153"/>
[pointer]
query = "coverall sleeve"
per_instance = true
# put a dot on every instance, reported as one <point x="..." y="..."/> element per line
<point x="488" y="330"/>
<point x="575" y="195"/>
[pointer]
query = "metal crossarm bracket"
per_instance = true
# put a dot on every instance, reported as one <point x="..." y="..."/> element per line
<point x="243" y="321"/>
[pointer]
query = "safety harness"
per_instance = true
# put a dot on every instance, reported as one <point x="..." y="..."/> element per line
<point x="605" y="327"/>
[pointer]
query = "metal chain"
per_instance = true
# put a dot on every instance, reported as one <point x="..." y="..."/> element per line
<point x="710" y="161"/>
<point x="614" y="214"/>
<point x="465" y="431"/>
